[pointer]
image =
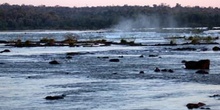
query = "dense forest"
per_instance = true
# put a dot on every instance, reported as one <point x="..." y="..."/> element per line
<point x="28" y="17"/>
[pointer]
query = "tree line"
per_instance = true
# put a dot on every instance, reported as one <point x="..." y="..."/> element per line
<point x="28" y="17"/>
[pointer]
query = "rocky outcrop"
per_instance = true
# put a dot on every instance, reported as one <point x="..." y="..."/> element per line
<point x="201" y="64"/>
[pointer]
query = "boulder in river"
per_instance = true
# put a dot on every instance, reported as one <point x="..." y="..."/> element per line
<point x="54" y="62"/>
<point x="195" y="105"/>
<point x="6" y="50"/>
<point x="201" y="64"/>
<point x="216" y="48"/>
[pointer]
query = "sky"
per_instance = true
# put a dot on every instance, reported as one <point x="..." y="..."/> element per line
<point x="82" y="3"/>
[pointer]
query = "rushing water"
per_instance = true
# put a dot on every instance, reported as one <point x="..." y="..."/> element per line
<point x="88" y="82"/>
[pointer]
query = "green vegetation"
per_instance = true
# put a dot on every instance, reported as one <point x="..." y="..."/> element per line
<point x="15" y="17"/>
<point x="200" y="39"/>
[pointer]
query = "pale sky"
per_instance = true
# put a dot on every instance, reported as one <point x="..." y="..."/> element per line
<point x="81" y="3"/>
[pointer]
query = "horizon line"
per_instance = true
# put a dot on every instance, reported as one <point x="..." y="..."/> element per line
<point x="161" y="4"/>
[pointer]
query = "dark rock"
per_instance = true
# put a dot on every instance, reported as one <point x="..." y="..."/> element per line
<point x="185" y="49"/>
<point x="120" y="56"/>
<point x="6" y="50"/>
<point x="114" y="73"/>
<point x="73" y="53"/>
<point x="153" y="55"/>
<point x="103" y="57"/>
<point x="202" y="72"/>
<point x="170" y="70"/>
<point x="214" y="96"/>
<point x="114" y="60"/>
<point x="194" y="105"/>
<point x="157" y="69"/>
<point x="201" y="64"/>
<point x="3" y="41"/>
<point x="141" y="72"/>
<point x="54" y="62"/>
<point x="57" y="97"/>
<point x="141" y="56"/>
<point x="216" y="48"/>
<point x="164" y="70"/>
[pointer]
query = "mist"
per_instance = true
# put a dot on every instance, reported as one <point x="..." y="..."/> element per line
<point x="141" y="22"/>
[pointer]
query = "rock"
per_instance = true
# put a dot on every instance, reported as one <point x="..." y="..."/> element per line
<point x="201" y="64"/>
<point x="157" y="69"/>
<point x="164" y="70"/>
<point x="170" y="70"/>
<point x="103" y="57"/>
<point x="73" y="53"/>
<point x="194" y="105"/>
<point x="184" y="61"/>
<point x="141" y="72"/>
<point x="57" y="97"/>
<point x="114" y="60"/>
<point x="141" y="56"/>
<point x="216" y="48"/>
<point x="202" y="72"/>
<point x="153" y="55"/>
<point x="6" y="50"/>
<point x="120" y="56"/>
<point x="54" y="62"/>
<point x="214" y="96"/>
<point x="114" y="73"/>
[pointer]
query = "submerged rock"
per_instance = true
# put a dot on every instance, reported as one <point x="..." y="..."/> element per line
<point x="201" y="64"/>
<point x="185" y="49"/>
<point x="56" y="97"/>
<point x="69" y="57"/>
<point x="202" y="72"/>
<point x="54" y="62"/>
